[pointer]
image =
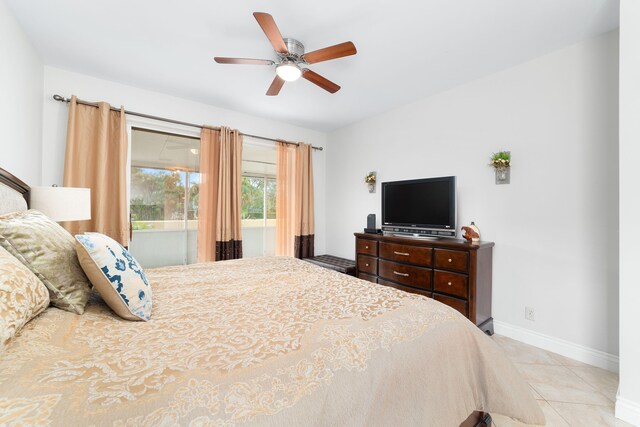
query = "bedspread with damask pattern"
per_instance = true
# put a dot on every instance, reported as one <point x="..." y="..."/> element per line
<point x="264" y="341"/>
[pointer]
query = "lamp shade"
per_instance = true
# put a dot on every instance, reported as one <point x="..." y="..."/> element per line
<point x="62" y="203"/>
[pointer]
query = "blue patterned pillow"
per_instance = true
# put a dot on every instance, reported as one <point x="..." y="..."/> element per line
<point x="116" y="275"/>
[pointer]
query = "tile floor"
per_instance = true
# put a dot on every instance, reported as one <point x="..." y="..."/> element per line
<point x="570" y="393"/>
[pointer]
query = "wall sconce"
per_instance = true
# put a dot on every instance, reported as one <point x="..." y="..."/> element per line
<point x="370" y="180"/>
<point x="501" y="164"/>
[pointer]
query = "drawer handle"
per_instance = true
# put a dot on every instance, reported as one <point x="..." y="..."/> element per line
<point x="449" y="283"/>
<point x="401" y="274"/>
<point x="366" y="265"/>
<point x="401" y="253"/>
<point x="366" y="247"/>
<point x="449" y="259"/>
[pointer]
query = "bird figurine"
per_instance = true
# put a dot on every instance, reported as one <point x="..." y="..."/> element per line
<point x="471" y="233"/>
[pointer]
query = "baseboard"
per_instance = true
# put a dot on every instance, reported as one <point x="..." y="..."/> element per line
<point x="628" y="411"/>
<point x="565" y="348"/>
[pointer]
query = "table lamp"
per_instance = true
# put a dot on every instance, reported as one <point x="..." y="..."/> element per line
<point x="62" y="203"/>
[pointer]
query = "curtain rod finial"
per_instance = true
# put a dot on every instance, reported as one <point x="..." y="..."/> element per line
<point x="60" y="98"/>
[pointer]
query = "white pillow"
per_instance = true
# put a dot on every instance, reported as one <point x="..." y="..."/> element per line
<point x="116" y="275"/>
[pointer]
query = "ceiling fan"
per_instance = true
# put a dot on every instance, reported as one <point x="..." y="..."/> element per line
<point x="292" y="59"/>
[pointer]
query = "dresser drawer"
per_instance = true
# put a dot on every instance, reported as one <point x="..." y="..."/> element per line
<point x="451" y="283"/>
<point x="367" y="247"/>
<point x="368" y="277"/>
<point x="367" y="264"/>
<point x="455" y="303"/>
<point x="405" y="288"/>
<point x="406" y="253"/>
<point x="452" y="260"/>
<point x="405" y="274"/>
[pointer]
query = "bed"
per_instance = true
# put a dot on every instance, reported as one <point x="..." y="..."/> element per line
<point x="269" y="341"/>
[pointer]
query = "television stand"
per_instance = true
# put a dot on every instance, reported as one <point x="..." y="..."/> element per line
<point x="452" y="271"/>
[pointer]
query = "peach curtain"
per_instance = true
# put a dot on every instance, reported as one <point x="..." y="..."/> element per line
<point x="295" y="226"/>
<point x="219" y="215"/>
<point x="96" y="158"/>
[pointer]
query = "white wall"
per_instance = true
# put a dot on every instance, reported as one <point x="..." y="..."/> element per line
<point x="628" y="401"/>
<point x="57" y="81"/>
<point x="21" y="107"/>
<point x="555" y="226"/>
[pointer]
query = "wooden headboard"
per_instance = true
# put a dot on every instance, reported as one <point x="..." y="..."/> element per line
<point x="11" y="181"/>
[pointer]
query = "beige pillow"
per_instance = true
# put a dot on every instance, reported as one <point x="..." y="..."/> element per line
<point x="49" y="251"/>
<point x="22" y="296"/>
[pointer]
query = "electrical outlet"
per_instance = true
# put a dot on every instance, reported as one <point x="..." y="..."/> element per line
<point x="530" y="314"/>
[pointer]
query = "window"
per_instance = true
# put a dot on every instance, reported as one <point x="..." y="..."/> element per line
<point x="161" y="198"/>
<point x="258" y="200"/>
<point x="270" y="191"/>
<point x="193" y="194"/>
<point x="258" y="197"/>
<point x="258" y="215"/>
<point x="253" y="197"/>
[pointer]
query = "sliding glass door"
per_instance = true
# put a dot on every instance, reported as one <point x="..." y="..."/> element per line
<point x="164" y="198"/>
<point x="165" y="181"/>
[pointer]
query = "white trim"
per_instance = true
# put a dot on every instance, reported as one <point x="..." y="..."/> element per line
<point x="150" y="124"/>
<point x="248" y="140"/>
<point x="565" y="348"/>
<point x="628" y="411"/>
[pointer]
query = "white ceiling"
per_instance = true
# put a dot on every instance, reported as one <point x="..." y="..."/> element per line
<point x="406" y="49"/>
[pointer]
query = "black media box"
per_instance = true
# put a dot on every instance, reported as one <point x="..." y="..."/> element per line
<point x="373" y="230"/>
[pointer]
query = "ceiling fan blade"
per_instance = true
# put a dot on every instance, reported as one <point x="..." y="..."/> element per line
<point x="275" y="87"/>
<point x="271" y="30"/>
<point x="247" y="61"/>
<point x="318" y="80"/>
<point x="331" y="52"/>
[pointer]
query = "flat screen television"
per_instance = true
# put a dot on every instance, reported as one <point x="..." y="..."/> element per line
<point x="420" y="207"/>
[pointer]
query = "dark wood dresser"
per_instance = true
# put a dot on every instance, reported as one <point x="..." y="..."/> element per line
<point x="454" y="272"/>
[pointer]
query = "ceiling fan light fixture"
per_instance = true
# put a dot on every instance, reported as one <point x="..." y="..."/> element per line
<point x="290" y="55"/>
<point x="288" y="71"/>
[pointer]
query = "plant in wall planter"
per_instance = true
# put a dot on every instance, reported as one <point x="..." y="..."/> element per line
<point x="501" y="163"/>
<point x="370" y="180"/>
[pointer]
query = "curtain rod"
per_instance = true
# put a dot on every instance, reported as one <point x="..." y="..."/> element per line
<point x="176" y="122"/>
